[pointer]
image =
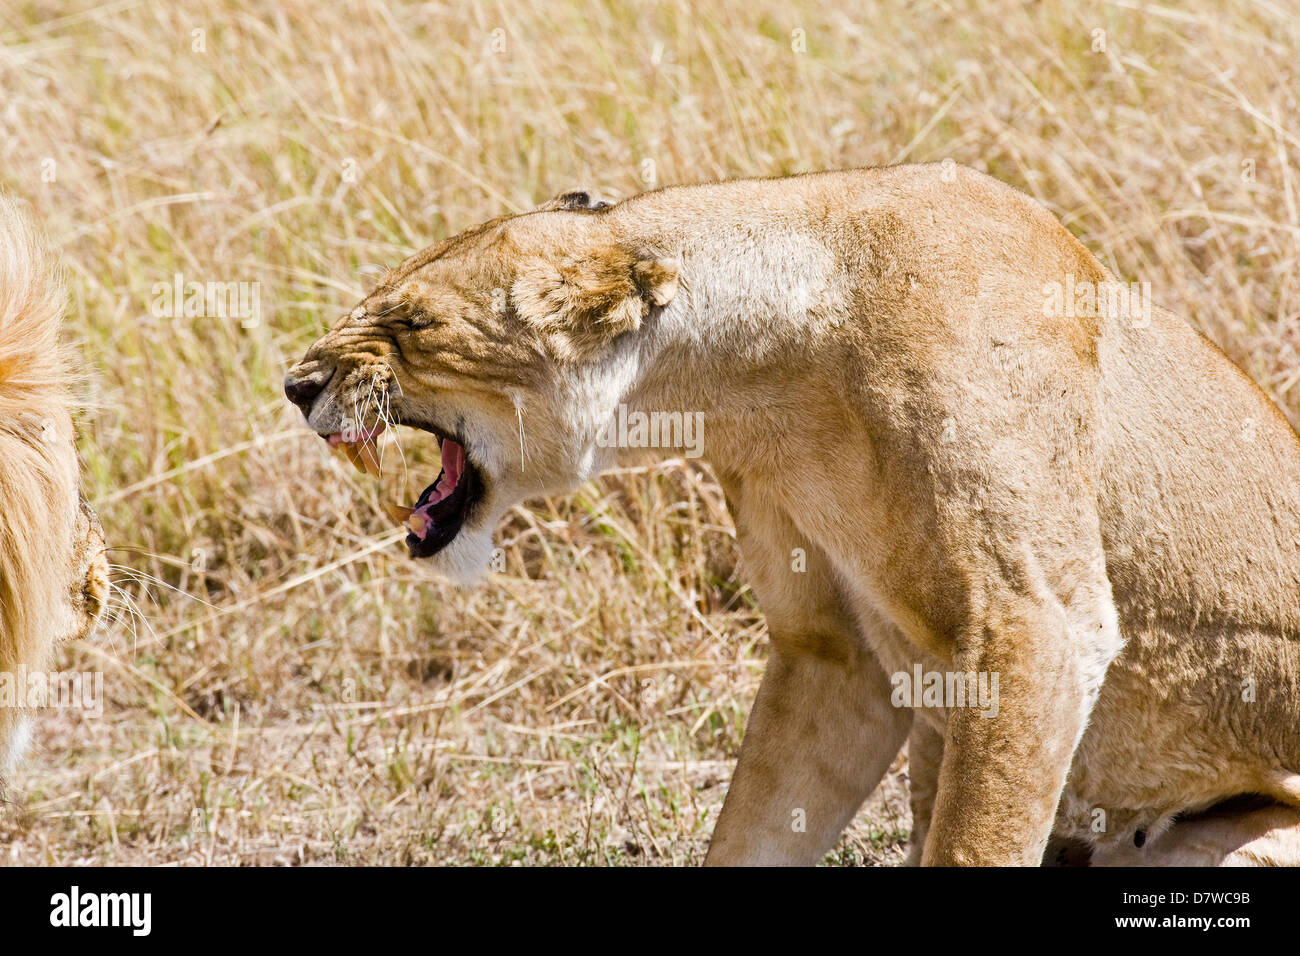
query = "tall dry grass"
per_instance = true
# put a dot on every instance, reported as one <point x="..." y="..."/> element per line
<point x="293" y="689"/>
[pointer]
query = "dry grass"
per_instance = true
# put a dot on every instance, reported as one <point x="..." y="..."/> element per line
<point x="296" y="690"/>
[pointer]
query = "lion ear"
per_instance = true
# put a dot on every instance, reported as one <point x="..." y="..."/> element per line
<point x="574" y="200"/>
<point x="656" y="279"/>
<point x="583" y="302"/>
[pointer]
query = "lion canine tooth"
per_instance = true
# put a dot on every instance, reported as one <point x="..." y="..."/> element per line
<point x="417" y="523"/>
<point x="397" y="512"/>
<point x="354" y="456"/>
<point x="369" y="463"/>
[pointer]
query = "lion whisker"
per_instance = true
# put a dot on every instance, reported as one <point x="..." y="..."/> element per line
<point x="123" y="610"/>
<point x="381" y="404"/>
<point x="519" y="416"/>
<point x="144" y="579"/>
<point x="138" y="617"/>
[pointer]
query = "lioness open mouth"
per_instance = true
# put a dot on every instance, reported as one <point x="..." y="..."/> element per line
<point x="442" y="509"/>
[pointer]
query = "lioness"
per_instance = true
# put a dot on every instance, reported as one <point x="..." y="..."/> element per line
<point x="942" y="458"/>
<point x="53" y="570"/>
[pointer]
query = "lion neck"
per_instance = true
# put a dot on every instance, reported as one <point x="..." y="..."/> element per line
<point x="741" y="351"/>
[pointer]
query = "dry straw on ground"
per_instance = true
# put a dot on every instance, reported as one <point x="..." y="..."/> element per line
<point x="293" y="689"/>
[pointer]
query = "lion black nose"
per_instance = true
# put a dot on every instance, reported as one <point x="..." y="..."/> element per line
<point x="303" y="387"/>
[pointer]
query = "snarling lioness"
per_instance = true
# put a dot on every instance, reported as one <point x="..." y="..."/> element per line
<point x="53" y="570"/>
<point x="954" y="446"/>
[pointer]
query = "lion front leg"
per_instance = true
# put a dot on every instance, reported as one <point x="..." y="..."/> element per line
<point x="823" y="730"/>
<point x="924" y="755"/>
<point x="1003" y="768"/>
<point x="820" y="737"/>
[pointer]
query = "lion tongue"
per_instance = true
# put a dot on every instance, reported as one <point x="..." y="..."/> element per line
<point x="453" y="464"/>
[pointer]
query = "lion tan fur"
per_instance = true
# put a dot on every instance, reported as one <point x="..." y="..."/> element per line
<point x="930" y="466"/>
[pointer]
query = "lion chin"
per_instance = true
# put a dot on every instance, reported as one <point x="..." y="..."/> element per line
<point x="19" y="738"/>
<point x="467" y="560"/>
